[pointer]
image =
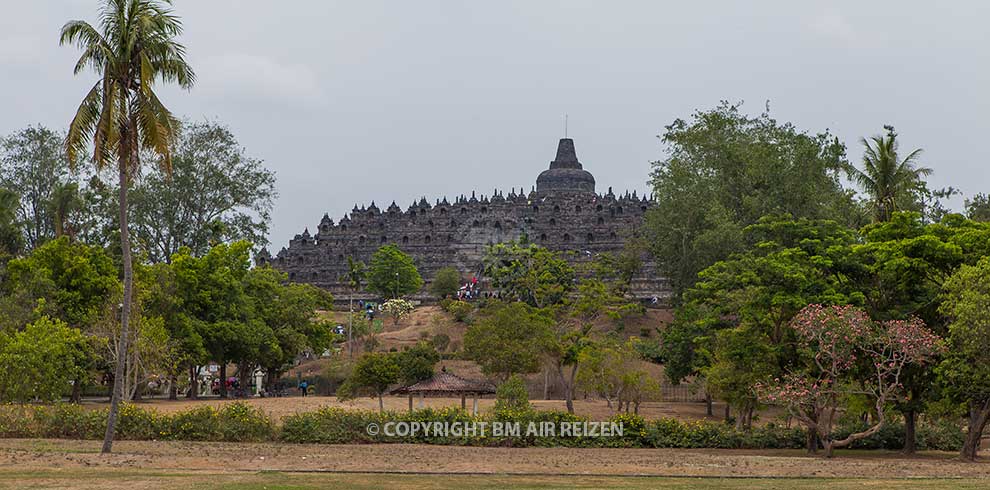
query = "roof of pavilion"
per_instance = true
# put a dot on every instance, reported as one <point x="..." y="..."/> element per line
<point x="447" y="383"/>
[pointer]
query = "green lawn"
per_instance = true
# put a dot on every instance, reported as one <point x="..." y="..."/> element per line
<point x="142" y="479"/>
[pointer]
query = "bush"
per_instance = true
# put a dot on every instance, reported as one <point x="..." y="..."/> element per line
<point x="239" y="422"/>
<point x="512" y="395"/>
<point x="460" y="310"/>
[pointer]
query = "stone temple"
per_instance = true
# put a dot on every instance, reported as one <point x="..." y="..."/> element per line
<point x="562" y="212"/>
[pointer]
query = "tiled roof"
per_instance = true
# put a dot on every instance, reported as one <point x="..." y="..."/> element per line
<point x="444" y="382"/>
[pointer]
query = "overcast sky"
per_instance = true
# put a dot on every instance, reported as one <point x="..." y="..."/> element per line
<point x="356" y="101"/>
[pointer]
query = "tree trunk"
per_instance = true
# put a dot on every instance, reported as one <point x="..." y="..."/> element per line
<point x="193" y="383"/>
<point x="811" y="442"/>
<point x="173" y="387"/>
<point x="76" y="396"/>
<point x="910" y="418"/>
<point x="728" y="413"/>
<point x="223" y="379"/>
<point x="350" y="326"/>
<point x="978" y="415"/>
<point x="381" y="403"/>
<point x="709" y="409"/>
<point x="546" y="383"/>
<point x="125" y="309"/>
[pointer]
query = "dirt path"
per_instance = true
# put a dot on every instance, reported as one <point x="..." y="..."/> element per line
<point x="33" y="454"/>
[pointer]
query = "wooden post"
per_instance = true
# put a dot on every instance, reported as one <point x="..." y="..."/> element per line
<point x="463" y="401"/>
<point x="422" y="400"/>
<point x="410" y="402"/>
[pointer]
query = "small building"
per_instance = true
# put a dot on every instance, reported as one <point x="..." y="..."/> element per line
<point x="444" y="384"/>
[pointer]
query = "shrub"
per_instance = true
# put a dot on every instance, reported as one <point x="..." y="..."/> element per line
<point x="512" y="395"/>
<point x="460" y="310"/>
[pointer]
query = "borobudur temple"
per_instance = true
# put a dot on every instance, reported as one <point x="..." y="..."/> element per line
<point x="562" y="212"/>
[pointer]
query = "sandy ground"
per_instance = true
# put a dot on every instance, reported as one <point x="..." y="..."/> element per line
<point x="280" y="407"/>
<point x="36" y="455"/>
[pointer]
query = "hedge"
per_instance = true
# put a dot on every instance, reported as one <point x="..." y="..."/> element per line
<point x="240" y="422"/>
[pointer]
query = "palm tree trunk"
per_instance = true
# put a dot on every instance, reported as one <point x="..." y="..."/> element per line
<point x="125" y="308"/>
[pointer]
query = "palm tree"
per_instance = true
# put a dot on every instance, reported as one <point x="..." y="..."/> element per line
<point x="122" y="116"/>
<point x="885" y="177"/>
<point x="65" y="200"/>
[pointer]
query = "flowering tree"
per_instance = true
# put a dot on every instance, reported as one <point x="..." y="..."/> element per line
<point x="838" y="338"/>
<point x="397" y="308"/>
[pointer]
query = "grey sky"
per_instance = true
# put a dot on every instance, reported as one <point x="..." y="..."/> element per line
<point x="357" y="101"/>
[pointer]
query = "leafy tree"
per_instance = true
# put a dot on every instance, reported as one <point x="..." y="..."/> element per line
<point x="122" y="114"/>
<point x="965" y="371"/>
<point x="891" y="182"/>
<point x="40" y="362"/>
<point x="392" y="273"/>
<point x="356" y="273"/>
<point x="445" y="283"/>
<point x="572" y="331"/>
<point x="835" y="339"/>
<point x="528" y="273"/>
<point x="741" y="358"/>
<point x="900" y="267"/>
<point x="723" y="170"/>
<point x="213" y="193"/>
<point x="978" y="208"/>
<point x="397" y="309"/>
<point x="788" y="264"/>
<point x="373" y="373"/>
<point x="510" y="339"/>
<point x="65" y="204"/>
<point x="611" y="370"/>
<point x="33" y="165"/>
<point x="288" y="310"/>
<point x="11" y="240"/>
<point x="416" y="363"/>
<point x="74" y="281"/>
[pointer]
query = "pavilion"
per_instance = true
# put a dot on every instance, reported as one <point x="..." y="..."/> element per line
<point x="447" y="385"/>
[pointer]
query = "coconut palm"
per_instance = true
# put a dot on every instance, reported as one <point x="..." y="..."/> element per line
<point x="122" y="117"/>
<point x="886" y="178"/>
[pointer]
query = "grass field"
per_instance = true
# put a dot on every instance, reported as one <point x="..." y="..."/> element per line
<point x="195" y="480"/>
<point x="139" y="465"/>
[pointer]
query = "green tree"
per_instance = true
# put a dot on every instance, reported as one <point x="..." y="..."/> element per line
<point x="213" y="299"/>
<point x="723" y="170"/>
<point x="289" y="311"/>
<point x="392" y="273"/>
<point x="742" y="357"/>
<point x="373" y="373"/>
<point x="11" y="239"/>
<point x="122" y="115"/>
<point x="445" y="283"/>
<point x="900" y="267"/>
<point x="891" y="182"/>
<point x="978" y="208"/>
<point x="33" y="165"/>
<point x="356" y="273"/>
<point x="73" y="281"/>
<point x="40" y="362"/>
<point x="510" y="339"/>
<point x="213" y="193"/>
<point x="416" y="363"/>
<point x="965" y="371"/>
<point x="65" y="204"/>
<point x="528" y="273"/>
